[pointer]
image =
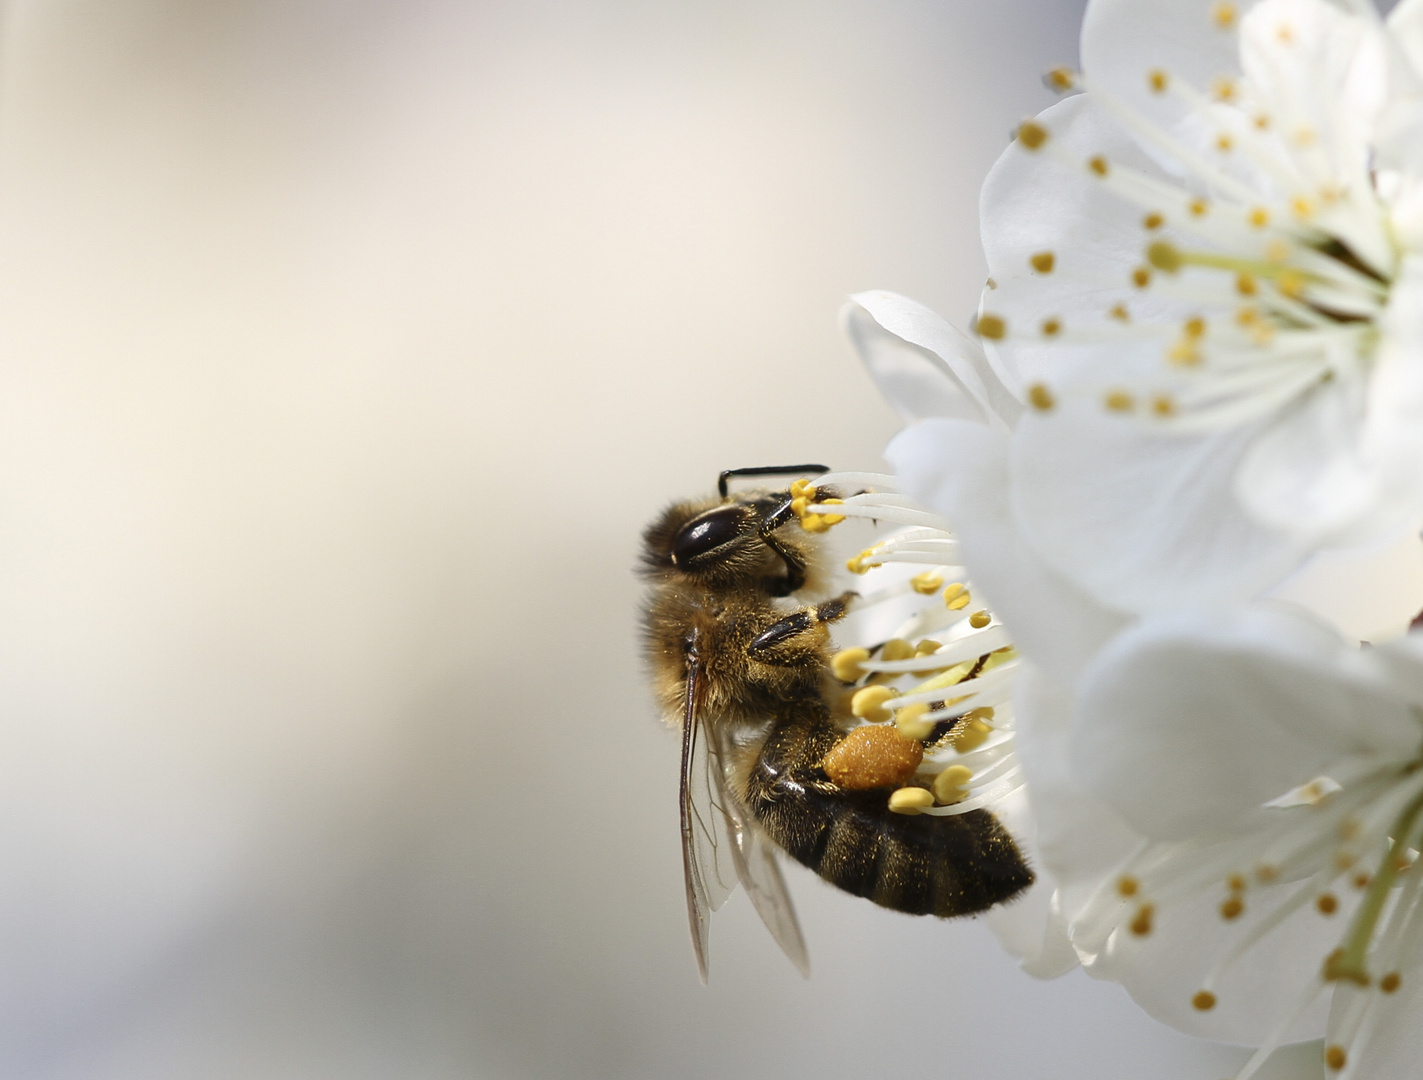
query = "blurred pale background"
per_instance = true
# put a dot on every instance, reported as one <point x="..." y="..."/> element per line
<point x="345" y="347"/>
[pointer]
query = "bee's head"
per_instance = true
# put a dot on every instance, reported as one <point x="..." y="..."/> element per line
<point x="719" y="542"/>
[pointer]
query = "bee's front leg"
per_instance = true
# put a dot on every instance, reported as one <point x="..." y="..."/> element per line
<point x="799" y="639"/>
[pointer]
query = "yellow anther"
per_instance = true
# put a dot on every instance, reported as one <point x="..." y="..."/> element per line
<point x="1235" y="883"/>
<point x="1390" y="982"/>
<point x="1304" y="136"/>
<point x="1245" y="285"/>
<point x="1223" y="87"/>
<point x="927" y="583"/>
<point x="1277" y="252"/>
<point x="831" y="519"/>
<point x="1156" y="79"/>
<point x="1223" y="14"/>
<point x="1350" y="828"/>
<point x="1302" y="207"/>
<point x="1335" y="1057"/>
<point x="986" y="712"/>
<point x="814" y="523"/>
<point x="1291" y="284"/>
<point x="1060" y="79"/>
<point x="911" y="723"/>
<point x="1162" y="405"/>
<point x="1224" y="143"/>
<point x="1285" y="33"/>
<point x="1127" y="885"/>
<point x="801" y="488"/>
<point x="1119" y="401"/>
<point x="1043" y="262"/>
<point x="1120" y="313"/>
<point x="979" y="619"/>
<point x="845" y="664"/>
<point x="1051" y="327"/>
<point x="1098" y="165"/>
<point x="1204" y="1001"/>
<point x="1266" y="873"/>
<point x="1247" y="316"/>
<point x="1330" y="194"/>
<point x="927" y="647"/>
<point x="910" y="800"/>
<point x="868" y="703"/>
<point x="971" y="734"/>
<point x="896" y="649"/>
<point x="1040" y="397"/>
<point x="1361" y="880"/>
<point x="1263" y="334"/>
<point x="1194" y="327"/>
<point x="1258" y="217"/>
<point x="1141" y="924"/>
<point x="864" y="562"/>
<point x="1032" y="134"/>
<point x="1152" y="221"/>
<point x="1231" y="908"/>
<point x="1326" y="903"/>
<point x="952" y="591"/>
<point x="1141" y="277"/>
<point x="798" y="505"/>
<point x="1198" y="207"/>
<point x="991" y="327"/>
<point x="1262" y="121"/>
<point x="1343" y="860"/>
<point x="952" y="785"/>
<point x="1184" y="353"/>
<point x="958" y="601"/>
<point x="1164" y="256"/>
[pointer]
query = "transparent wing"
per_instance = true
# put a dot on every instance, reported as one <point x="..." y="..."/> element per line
<point x="755" y="864"/>
<point x="708" y="862"/>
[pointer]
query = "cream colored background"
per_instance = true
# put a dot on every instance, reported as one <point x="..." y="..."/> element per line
<point x="345" y="347"/>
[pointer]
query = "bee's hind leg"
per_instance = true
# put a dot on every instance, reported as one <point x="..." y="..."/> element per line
<point x="799" y="638"/>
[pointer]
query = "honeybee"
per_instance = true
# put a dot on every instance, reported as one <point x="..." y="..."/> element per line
<point x="743" y="669"/>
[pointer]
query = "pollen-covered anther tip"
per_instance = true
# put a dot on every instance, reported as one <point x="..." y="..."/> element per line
<point x="956" y="596"/>
<point x="911" y="723"/>
<point x="1265" y="873"/>
<point x="896" y="649"/>
<point x="910" y="800"/>
<point x="973" y="733"/>
<point x="1163" y="405"/>
<point x="1335" y="1057"/>
<point x="1184" y="353"/>
<point x="1223" y="14"/>
<point x="1258" y="217"/>
<point x="1098" y="164"/>
<point x="1040" y="397"/>
<point x="868" y="703"/>
<point x="1152" y="221"/>
<point x="1052" y="327"/>
<point x="1232" y="908"/>
<point x="1043" y="262"/>
<point x="1204" y="1001"/>
<point x="1326" y="903"/>
<point x="1157" y="80"/>
<point x="979" y="619"/>
<point x="1143" y="921"/>
<point x="829" y="519"/>
<point x="1223" y="88"/>
<point x="1198" y="207"/>
<point x="845" y="664"/>
<point x="1165" y="256"/>
<point x="1128" y="885"/>
<point x="952" y="785"/>
<point x="1060" y="80"/>
<point x="1119" y="401"/>
<point x="1224" y="143"/>
<point x="802" y="488"/>
<point x="991" y="326"/>
<point x="1302" y="208"/>
<point x="927" y="583"/>
<point x="1032" y="134"/>
<point x="1390" y="982"/>
<point x="1245" y="285"/>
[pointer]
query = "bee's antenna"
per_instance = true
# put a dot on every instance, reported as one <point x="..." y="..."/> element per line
<point x="765" y="470"/>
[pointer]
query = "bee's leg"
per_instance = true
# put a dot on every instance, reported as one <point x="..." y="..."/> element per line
<point x="799" y="638"/>
<point x="795" y="562"/>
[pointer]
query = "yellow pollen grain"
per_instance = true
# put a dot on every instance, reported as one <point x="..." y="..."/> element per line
<point x="845" y="664"/>
<point x="1040" y="397"/>
<point x="951" y="785"/>
<point x="1032" y="134"/>
<point x="991" y="327"/>
<point x="1335" y="1057"/>
<point x="1245" y="285"/>
<point x="979" y="619"/>
<point x="1361" y="881"/>
<point x="1184" y="354"/>
<point x="1390" y="982"/>
<point x="1120" y="313"/>
<point x="1198" y="207"/>
<point x="1061" y="79"/>
<point x="1223" y="14"/>
<point x="1141" y="924"/>
<point x="1164" y="256"/>
<point x="1127" y="885"/>
<point x="1203" y="1001"/>
<point x="910" y="800"/>
<point x="1141" y="277"/>
<point x="896" y="649"/>
<point x="1224" y="143"/>
<point x="1119" y="401"/>
<point x="868" y="703"/>
<point x="1235" y="883"/>
<point x="911" y="723"/>
<point x="1223" y="87"/>
<point x="927" y="583"/>
<point x="1043" y="262"/>
<point x="1156" y="79"/>
<point x="1162" y="405"/>
<point x="1098" y="165"/>
<point x="1326" y="903"/>
<point x="1194" y="327"/>
<point x="802" y="487"/>
<point x="1231" y="908"/>
<point x="971" y="735"/>
<point x="1258" y="217"/>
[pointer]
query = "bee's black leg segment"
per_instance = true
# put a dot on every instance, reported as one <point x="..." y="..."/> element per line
<point x="797" y="639"/>
<point x="795" y="563"/>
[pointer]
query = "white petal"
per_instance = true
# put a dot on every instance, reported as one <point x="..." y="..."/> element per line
<point x="1368" y="594"/>
<point x="960" y="470"/>
<point x="1188" y="722"/>
<point x="1405" y="24"/>
<point x="1142" y="519"/>
<point x="1395" y="1043"/>
<point x="924" y="366"/>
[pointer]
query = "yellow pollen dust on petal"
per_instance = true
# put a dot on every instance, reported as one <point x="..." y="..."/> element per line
<point x="1040" y="397"/>
<point x="1232" y="908"/>
<point x="845" y="664"/>
<point x="1120" y="313"/>
<point x="951" y="785"/>
<point x="1051" y="327"/>
<point x="1258" y="217"/>
<point x="1141" y="924"/>
<point x="1032" y="134"/>
<point x="910" y="800"/>
<point x="1152" y="221"/>
<point x="991" y="326"/>
<point x="1060" y="79"/>
<point x="1223" y="14"/>
<point x="979" y="619"/>
<point x="1390" y="982"/>
<point x="1335" y="1057"/>
<point x="868" y="703"/>
<point x="1098" y="165"/>
<point x="1141" y="277"/>
<point x="1163" y="406"/>
<point x="1326" y="903"/>
<point x="1043" y="262"/>
<point x="1156" y="79"/>
<point x="927" y="583"/>
<point x="1119" y="401"/>
<point x="1164" y="256"/>
<point x="1204" y="1001"/>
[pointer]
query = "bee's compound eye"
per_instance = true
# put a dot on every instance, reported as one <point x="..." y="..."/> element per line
<point x="707" y="532"/>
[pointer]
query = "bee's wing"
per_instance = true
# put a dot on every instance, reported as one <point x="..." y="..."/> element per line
<point x="708" y="862"/>
<point x="755" y="862"/>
